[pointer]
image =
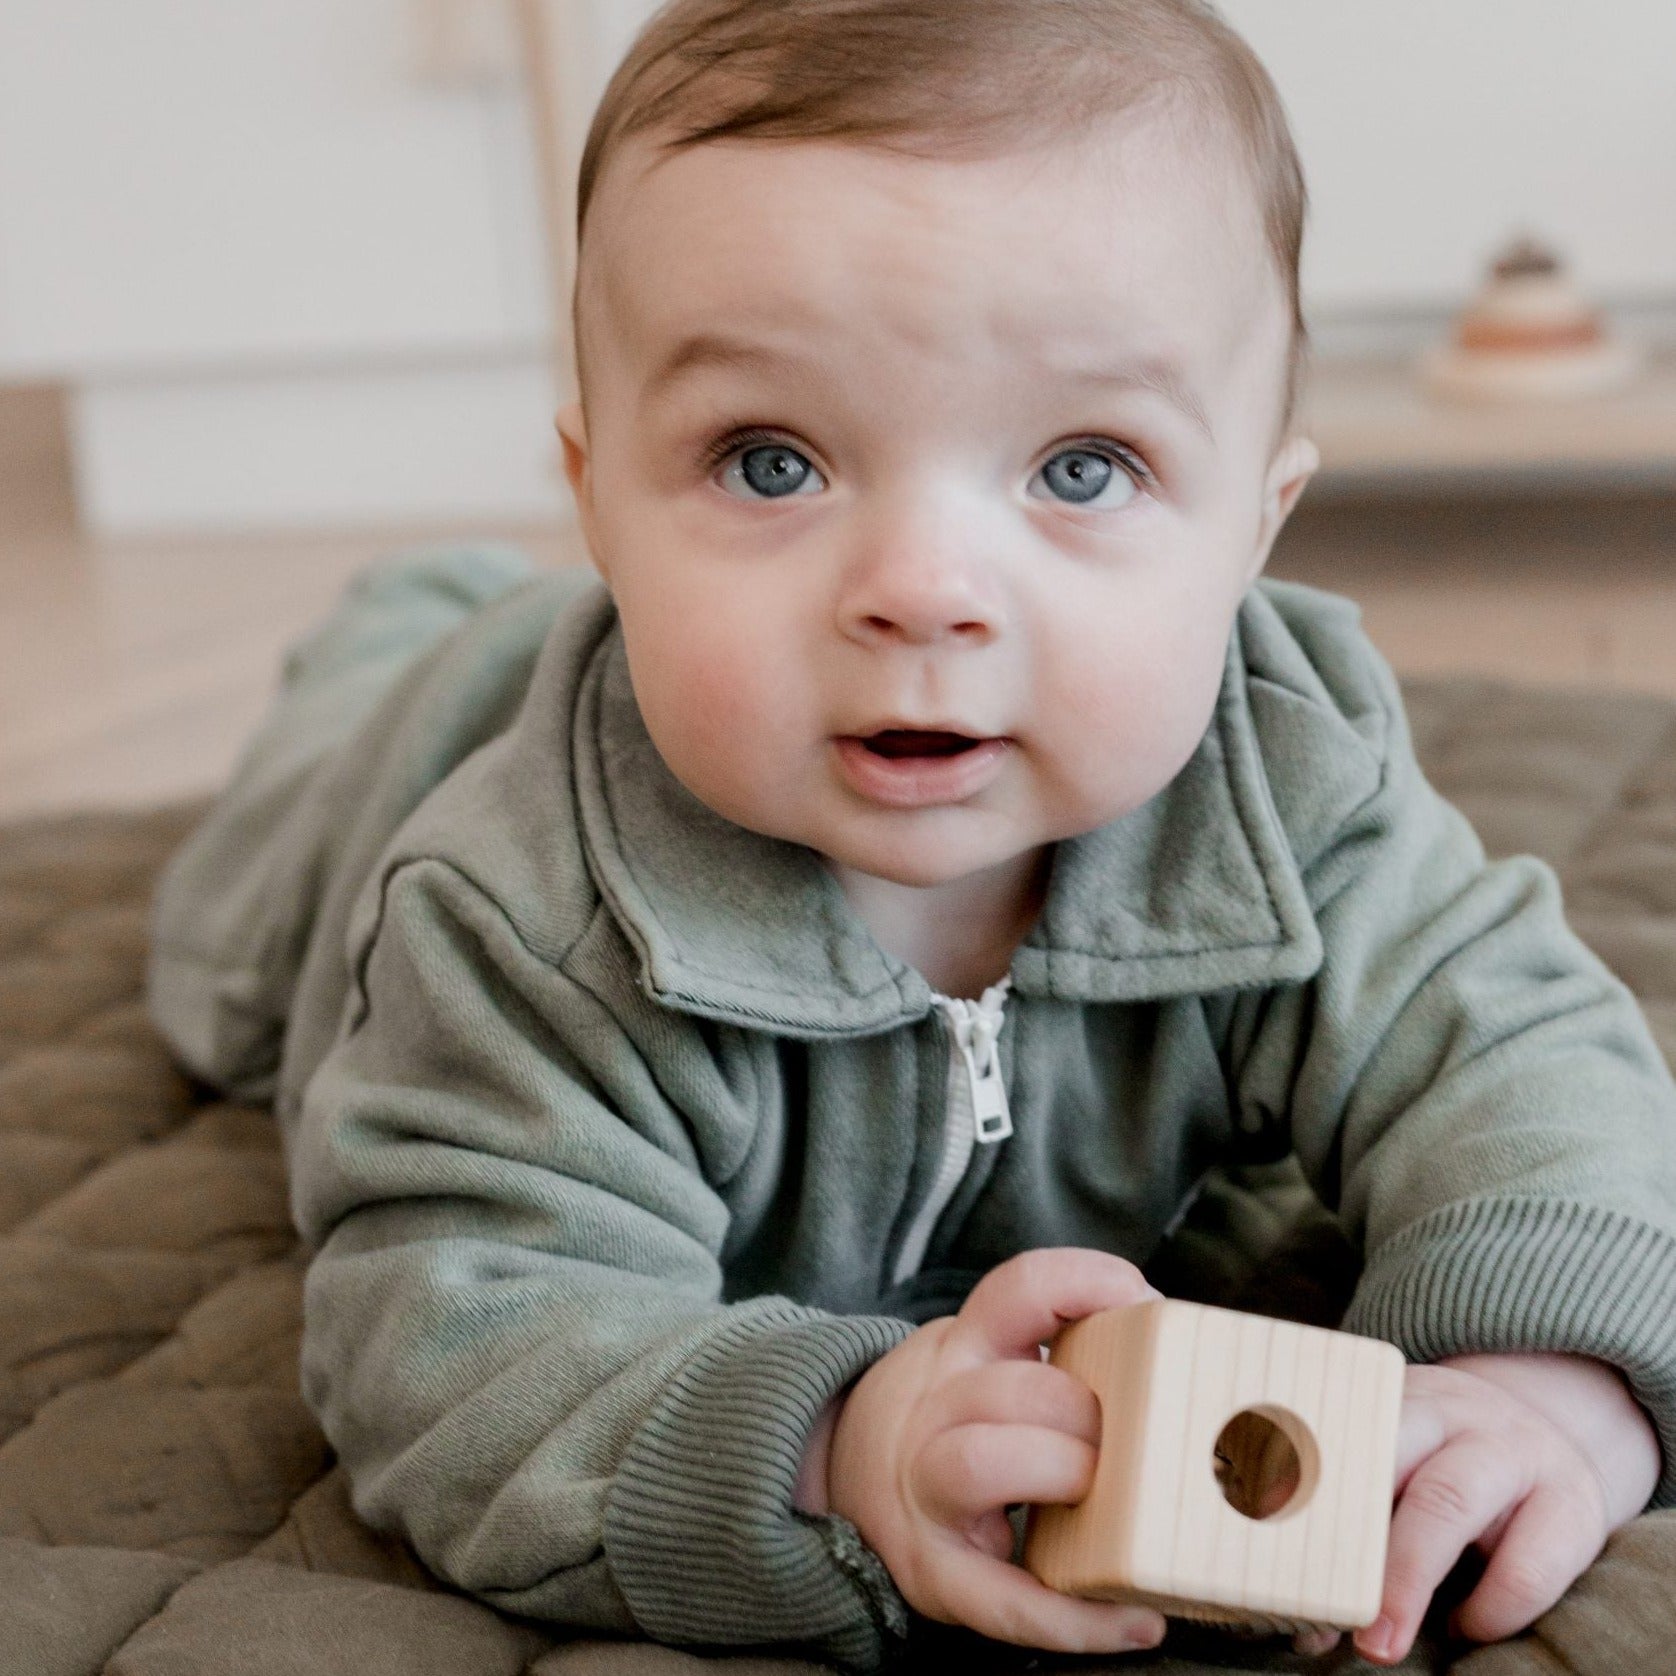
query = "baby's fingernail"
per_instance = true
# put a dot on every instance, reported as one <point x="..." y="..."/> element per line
<point x="1378" y="1639"/>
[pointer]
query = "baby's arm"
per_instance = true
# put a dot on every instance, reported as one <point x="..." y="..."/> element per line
<point x="962" y="1420"/>
<point x="1467" y="1086"/>
<point x="1533" y="1459"/>
<point x="515" y="1336"/>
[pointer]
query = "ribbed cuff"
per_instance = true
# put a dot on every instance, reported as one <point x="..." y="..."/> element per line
<point x="1511" y="1274"/>
<point x="700" y="1532"/>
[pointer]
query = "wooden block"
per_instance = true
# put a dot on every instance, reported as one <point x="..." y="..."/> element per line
<point x="1205" y="1411"/>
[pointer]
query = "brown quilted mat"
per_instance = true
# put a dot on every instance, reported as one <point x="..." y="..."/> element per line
<point x="167" y="1505"/>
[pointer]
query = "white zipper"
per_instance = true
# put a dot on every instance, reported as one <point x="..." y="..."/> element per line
<point x="975" y="1114"/>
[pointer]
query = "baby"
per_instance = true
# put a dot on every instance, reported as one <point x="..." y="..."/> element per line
<point x="727" y="1019"/>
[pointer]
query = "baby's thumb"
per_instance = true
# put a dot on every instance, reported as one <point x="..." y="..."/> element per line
<point x="1023" y="1302"/>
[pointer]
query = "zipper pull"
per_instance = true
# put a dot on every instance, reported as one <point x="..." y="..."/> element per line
<point x="990" y="1117"/>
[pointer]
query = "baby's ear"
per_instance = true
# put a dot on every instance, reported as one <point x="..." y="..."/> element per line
<point x="571" y="424"/>
<point x="1295" y="462"/>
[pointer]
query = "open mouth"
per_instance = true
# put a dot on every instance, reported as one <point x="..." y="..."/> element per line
<point x="913" y="768"/>
<point x="894" y="743"/>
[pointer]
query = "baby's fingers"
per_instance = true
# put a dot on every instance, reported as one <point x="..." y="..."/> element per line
<point x="1022" y="1394"/>
<point x="1312" y="1643"/>
<point x="1544" y="1549"/>
<point x="1449" y="1501"/>
<point x="968" y="1471"/>
<point x="1023" y="1302"/>
<point x="1008" y="1604"/>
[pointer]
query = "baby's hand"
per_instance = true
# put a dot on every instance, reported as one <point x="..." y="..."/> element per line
<point x="1533" y="1460"/>
<point x="963" y="1419"/>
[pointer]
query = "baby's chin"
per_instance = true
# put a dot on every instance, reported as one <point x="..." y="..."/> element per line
<point x="919" y="855"/>
<point x="892" y="870"/>
<point x="920" y="848"/>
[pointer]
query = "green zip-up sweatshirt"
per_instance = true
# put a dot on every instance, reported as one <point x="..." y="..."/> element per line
<point x="608" y="1118"/>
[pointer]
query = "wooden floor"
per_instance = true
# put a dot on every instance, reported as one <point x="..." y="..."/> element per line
<point x="130" y="671"/>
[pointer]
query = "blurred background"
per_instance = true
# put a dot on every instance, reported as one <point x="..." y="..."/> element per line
<point x="278" y="291"/>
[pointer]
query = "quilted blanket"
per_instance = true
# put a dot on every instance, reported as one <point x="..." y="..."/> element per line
<point x="168" y="1506"/>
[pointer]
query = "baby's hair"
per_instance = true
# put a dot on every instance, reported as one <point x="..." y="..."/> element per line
<point x="954" y="78"/>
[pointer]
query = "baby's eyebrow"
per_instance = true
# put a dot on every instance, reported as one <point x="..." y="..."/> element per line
<point x="1158" y="376"/>
<point x="703" y="350"/>
<point x="714" y="349"/>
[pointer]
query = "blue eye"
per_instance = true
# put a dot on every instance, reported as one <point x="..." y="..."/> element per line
<point x="1079" y="476"/>
<point x="772" y="471"/>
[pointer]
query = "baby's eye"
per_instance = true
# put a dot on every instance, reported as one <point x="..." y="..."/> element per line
<point x="771" y="471"/>
<point x="1080" y="476"/>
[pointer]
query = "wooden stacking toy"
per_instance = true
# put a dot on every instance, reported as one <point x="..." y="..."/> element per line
<point x="1246" y="1468"/>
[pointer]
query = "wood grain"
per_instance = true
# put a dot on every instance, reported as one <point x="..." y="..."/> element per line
<point x="1159" y="1527"/>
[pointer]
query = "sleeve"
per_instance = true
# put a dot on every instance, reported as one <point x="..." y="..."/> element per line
<point x="233" y="911"/>
<point x="514" y="1329"/>
<point x="1476" y="1096"/>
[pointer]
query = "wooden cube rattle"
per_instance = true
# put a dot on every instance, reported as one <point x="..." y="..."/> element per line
<point x="1209" y="1418"/>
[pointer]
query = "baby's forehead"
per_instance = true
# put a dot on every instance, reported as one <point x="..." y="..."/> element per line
<point x="1149" y="227"/>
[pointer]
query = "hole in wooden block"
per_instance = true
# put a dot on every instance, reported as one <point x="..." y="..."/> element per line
<point x="1265" y="1462"/>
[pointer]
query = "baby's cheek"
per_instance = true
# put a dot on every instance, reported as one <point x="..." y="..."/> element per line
<point x="710" y="692"/>
<point x="720" y="716"/>
<point x="1129" y="714"/>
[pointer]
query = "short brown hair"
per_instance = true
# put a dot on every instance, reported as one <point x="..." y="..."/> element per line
<point x="952" y="77"/>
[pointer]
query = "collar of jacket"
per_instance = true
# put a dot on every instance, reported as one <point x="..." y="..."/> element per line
<point x="1196" y="891"/>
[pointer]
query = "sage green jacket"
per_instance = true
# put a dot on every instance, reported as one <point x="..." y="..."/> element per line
<point x="607" y="1117"/>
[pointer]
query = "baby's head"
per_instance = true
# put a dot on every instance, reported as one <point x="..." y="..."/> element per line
<point x="938" y="361"/>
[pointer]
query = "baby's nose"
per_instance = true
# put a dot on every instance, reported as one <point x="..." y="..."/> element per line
<point x="921" y="594"/>
<point x="924" y="622"/>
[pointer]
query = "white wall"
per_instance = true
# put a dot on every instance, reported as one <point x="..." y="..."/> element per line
<point x="191" y="183"/>
<point x="1431" y="129"/>
<point x="288" y="278"/>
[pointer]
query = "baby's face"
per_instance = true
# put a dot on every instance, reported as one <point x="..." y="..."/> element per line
<point x="928" y="491"/>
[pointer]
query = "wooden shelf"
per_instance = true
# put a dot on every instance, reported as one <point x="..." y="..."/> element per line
<point x="1377" y="425"/>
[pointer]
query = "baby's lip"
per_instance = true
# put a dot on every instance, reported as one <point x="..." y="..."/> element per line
<point x="901" y="737"/>
<point x="908" y="769"/>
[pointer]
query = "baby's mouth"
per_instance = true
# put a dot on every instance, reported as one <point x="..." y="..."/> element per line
<point x="897" y="742"/>
<point x="919" y="767"/>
